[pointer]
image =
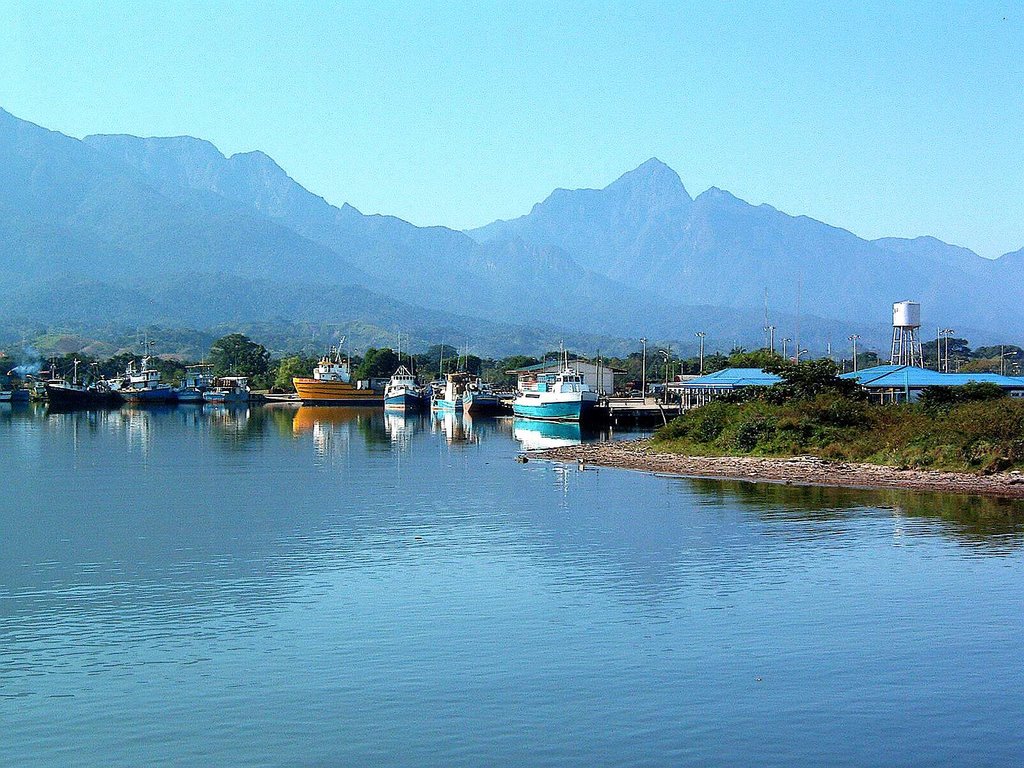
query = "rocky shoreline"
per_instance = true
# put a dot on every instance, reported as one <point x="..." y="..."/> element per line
<point x="799" y="470"/>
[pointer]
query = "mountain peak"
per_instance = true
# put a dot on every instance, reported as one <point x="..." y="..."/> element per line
<point x="651" y="176"/>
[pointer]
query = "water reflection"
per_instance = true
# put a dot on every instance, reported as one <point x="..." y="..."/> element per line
<point x="280" y="567"/>
<point x="992" y="522"/>
<point x="460" y="428"/>
<point x="540" y="435"/>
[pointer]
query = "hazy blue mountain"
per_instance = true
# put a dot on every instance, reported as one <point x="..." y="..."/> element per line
<point x="126" y="229"/>
<point x="511" y="281"/>
<point x="67" y="210"/>
<point x="644" y="230"/>
<point x="604" y="229"/>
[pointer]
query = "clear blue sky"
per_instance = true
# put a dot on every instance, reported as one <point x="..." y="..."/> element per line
<point x="884" y="118"/>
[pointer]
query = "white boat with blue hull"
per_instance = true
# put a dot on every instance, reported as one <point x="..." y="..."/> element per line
<point x="140" y="386"/>
<point x="449" y="397"/>
<point x="404" y="393"/>
<point x="228" y="390"/>
<point x="198" y="379"/>
<point x="564" y="396"/>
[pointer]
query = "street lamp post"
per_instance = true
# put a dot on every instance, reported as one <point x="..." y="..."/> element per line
<point x="701" y="335"/>
<point x="785" y="345"/>
<point x="667" y="355"/>
<point x="643" y="370"/>
<point x="853" y="337"/>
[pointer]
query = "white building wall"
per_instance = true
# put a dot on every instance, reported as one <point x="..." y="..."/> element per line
<point x="603" y="384"/>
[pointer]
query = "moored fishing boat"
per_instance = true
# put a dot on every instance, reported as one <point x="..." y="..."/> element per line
<point x="228" y="390"/>
<point x="448" y="396"/>
<point x="142" y="385"/>
<point x="67" y="395"/>
<point x="198" y="378"/>
<point x="62" y="394"/>
<point x="404" y="393"/>
<point x="479" y="401"/>
<point x="331" y="384"/>
<point x="556" y="397"/>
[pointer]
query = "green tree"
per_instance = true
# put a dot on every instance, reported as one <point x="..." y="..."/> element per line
<point x="377" y="363"/>
<point x="290" y="367"/>
<point x="808" y="379"/>
<point x="237" y="355"/>
<point x="758" y="358"/>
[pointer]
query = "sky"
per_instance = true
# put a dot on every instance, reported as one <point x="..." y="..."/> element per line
<point x="887" y="119"/>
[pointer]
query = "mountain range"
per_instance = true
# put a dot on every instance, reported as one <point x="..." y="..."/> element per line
<point x="120" y="230"/>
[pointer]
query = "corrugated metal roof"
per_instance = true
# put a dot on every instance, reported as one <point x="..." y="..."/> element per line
<point x="903" y="376"/>
<point x="735" y="377"/>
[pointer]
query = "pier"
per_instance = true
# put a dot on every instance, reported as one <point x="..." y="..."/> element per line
<point x="647" y="411"/>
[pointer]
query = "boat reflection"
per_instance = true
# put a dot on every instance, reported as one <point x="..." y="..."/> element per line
<point x="401" y="427"/>
<point x="310" y="418"/>
<point x="335" y="427"/>
<point x="460" y="428"/>
<point x="454" y="425"/>
<point x="542" y="435"/>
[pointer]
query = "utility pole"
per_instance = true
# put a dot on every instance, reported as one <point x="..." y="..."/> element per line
<point x="853" y="337"/>
<point x="701" y="335"/>
<point x="643" y="370"/>
<point x="947" y="332"/>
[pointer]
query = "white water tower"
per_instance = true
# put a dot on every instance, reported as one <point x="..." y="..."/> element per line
<point x="906" y="345"/>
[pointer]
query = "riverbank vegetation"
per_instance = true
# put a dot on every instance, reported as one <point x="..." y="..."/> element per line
<point x="974" y="428"/>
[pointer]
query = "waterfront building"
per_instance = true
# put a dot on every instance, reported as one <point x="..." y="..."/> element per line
<point x="703" y="389"/>
<point x="904" y="383"/>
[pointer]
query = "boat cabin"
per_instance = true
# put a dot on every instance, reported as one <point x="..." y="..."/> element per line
<point x="333" y="367"/>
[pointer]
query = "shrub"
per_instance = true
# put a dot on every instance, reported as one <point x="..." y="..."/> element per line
<point x="939" y="397"/>
<point x="753" y="431"/>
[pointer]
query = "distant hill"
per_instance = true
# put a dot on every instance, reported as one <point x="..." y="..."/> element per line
<point x="120" y="230"/>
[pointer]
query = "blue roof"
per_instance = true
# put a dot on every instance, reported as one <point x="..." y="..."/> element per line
<point x="903" y="376"/>
<point x="735" y="377"/>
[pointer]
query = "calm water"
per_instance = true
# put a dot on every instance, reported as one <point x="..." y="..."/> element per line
<point x="326" y="588"/>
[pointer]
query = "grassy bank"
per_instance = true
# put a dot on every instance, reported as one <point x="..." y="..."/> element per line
<point x="975" y="429"/>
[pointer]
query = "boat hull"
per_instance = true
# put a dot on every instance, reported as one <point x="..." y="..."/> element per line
<point x="480" y="404"/>
<point x="71" y="397"/>
<point x="562" y="409"/>
<point x="406" y="401"/>
<point x="317" y="392"/>
<point x="226" y="398"/>
<point x="157" y="396"/>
